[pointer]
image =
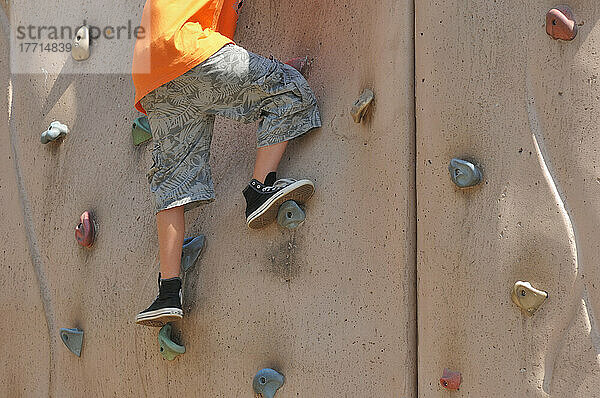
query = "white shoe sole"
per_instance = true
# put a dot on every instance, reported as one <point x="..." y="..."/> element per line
<point x="299" y="191"/>
<point x="158" y="318"/>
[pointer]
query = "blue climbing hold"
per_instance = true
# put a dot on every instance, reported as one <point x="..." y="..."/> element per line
<point x="190" y="253"/>
<point x="290" y="215"/>
<point x="464" y="174"/>
<point x="73" y="339"/>
<point x="168" y="349"/>
<point x="267" y="382"/>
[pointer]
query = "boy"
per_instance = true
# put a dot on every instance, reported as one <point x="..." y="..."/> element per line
<point x="187" y="70"/>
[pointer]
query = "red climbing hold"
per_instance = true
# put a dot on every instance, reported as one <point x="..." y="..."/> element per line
<point x="298" y="63"/>
<point x="85" y="232"/>
<point x="450" y="380"/>
<point x="560" y="23"/>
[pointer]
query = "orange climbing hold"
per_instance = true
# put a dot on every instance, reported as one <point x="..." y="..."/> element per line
<point x="450" y="380"/>
<point x="560" y="23"/>
<point x="85" y="232"/>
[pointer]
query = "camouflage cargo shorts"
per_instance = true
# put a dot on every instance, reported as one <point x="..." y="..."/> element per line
<point x="234" y="83"/>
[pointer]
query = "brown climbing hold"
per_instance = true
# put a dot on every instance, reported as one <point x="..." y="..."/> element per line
<point x="359" y="109"/>
<point x="527" y="297"/>
<point x="560" y="23"/>
<point x="450" y="380"/>
<point x="299" y="63"/>
<point x="85" y="232"/>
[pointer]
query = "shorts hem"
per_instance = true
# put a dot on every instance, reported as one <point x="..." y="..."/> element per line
<point x="312" y="126"/>
<point x="189" y="202"/>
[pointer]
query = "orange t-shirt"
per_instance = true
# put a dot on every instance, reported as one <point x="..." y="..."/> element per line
<point x="177" y="36"/>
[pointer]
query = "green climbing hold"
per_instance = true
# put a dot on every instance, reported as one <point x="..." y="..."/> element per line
<point x="141" y="130"/>
<point x="73" y="339"/>
<point x="290" y="215"/>
<point x="168" y="349"/>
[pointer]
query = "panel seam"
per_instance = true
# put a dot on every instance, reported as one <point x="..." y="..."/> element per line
<point x="415" y="200"/>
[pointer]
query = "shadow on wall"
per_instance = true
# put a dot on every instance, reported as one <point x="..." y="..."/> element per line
<point x="4" y="21"/>
<point x="566" y="171"/>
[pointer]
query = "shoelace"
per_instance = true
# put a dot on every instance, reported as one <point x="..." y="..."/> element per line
<point x="284" y="182"/>
<point x="277" y="185"/>
<point x="280" y="184"/>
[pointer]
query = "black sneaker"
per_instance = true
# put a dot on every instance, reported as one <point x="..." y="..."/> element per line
<point x="263" y="200"/>
<point x="167" y="306"/>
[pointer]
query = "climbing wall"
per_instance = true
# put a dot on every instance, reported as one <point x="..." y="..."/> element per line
<point x="24" y="369"/>
<point x="331" y="305"/>
<point x="494" y="89"/>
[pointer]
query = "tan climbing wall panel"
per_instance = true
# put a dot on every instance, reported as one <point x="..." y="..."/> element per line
<point x="331" y="305"/>
<point x="24" y="368"/>
<point x="494" y="88"/>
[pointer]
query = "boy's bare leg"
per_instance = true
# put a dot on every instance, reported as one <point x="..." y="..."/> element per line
<point x="167" y="306"/>
<point x="171" y="229"/>
<point x="267" y="160"/>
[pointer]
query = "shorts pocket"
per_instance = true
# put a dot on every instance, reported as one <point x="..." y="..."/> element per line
<point x="156" y="163"/>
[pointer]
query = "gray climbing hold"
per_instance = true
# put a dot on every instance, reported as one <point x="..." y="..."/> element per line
<point x="73" y="339"/>
<point x="190" y="253"/>
<point x="464" y="174"/>
<point x="360" y="106"/>
<point x="80" y="50"/>
<point x="168" y="349"/>
<point x="267" y="382"/>
<point x="290" y="215"/>
<point x="141" y="131"/>
<point x="54" y="132"/>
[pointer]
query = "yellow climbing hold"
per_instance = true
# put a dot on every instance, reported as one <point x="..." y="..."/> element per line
<point x="528" y="298"/>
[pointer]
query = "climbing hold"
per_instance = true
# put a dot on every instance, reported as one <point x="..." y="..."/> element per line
<point x="463" y="173"/>
<point x="527" y="297"/>
<point x="360" y="106"/>
<point x="299" y="63"/>
<point x="54" y="132"/>
<point x="192" y="248"/>
<point x="267" y="382"/>
<point x="141" y="130"/>
<point x="85" y="232"/>
<point x="450" y="380"/>
<point x="560" y="23"/>
<point x="290" y="215"/>
<point x="73" y="339"/>
<point x="80" y="50"/>
<point x="168" y="349"/>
